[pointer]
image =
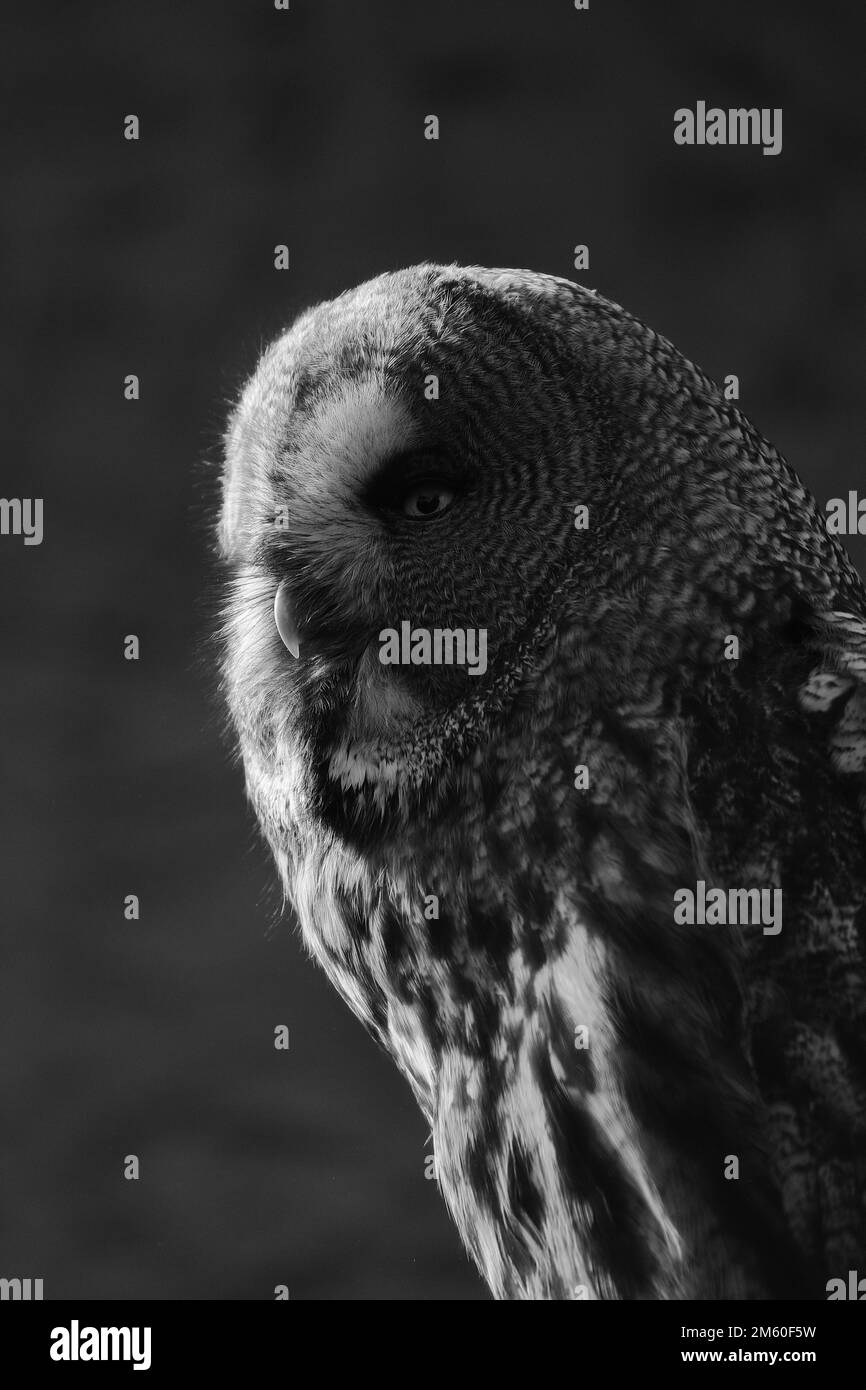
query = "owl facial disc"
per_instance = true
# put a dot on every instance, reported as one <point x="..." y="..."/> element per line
<point x="284" y="619"/>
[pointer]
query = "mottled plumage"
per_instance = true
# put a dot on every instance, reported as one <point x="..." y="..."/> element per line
<point x="596" y="1171"/>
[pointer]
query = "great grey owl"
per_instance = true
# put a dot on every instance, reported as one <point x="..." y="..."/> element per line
<point x="629" y="1098"/>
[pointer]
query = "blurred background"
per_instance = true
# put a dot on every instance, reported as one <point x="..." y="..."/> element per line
<point x="305" y="127"/>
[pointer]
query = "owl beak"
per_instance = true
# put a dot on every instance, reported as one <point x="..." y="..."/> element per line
<point x="285" y="620"/>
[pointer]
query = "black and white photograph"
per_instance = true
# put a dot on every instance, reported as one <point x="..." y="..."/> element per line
<point x="434" y="708"/>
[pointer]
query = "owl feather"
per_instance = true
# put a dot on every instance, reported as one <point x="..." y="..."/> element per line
<point x="623" y="1105"/>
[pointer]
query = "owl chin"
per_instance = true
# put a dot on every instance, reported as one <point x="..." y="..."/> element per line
<point x="377" y="705"/>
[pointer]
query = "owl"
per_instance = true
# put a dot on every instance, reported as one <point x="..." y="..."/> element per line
<point x="550" y="690"/>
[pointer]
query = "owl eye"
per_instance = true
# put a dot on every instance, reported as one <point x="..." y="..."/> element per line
<point x="427" y="499"/>
<point x="419" y="485"/>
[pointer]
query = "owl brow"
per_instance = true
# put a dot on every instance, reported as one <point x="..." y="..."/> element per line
<point x="407" y="467"/>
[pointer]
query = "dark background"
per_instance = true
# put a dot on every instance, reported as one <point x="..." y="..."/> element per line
<point x="156" y="257"/>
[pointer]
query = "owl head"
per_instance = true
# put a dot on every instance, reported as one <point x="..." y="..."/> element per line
<point x="468" y="451"/>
